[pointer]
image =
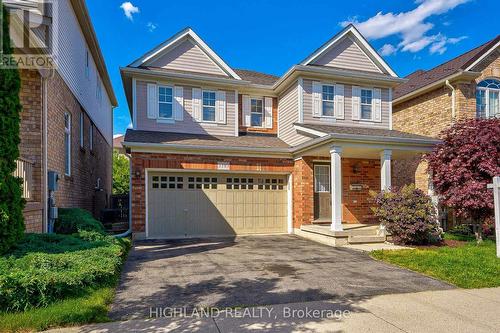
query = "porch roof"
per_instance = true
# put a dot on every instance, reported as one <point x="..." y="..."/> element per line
<point x="364" y="132"/>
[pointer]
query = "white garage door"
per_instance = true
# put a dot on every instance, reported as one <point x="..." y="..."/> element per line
<point x="199" y="205"/>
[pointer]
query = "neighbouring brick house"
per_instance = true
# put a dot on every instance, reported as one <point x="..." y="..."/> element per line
<point x="217" y="151"/>
<point x="464" y="87"/>
<point x="66" y="121"/>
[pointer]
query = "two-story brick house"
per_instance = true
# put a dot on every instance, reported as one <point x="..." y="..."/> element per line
<point x="464" y="87"/>
<point x="220" y="151"/>
<point x="67" y="116"/>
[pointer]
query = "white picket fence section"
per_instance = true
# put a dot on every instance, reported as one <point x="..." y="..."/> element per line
<point x="24" y="170"/>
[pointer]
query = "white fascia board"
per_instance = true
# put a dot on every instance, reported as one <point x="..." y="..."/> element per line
<point x="481" y="58"/>
<point x="309" y="131"/>
<point x="350" y="29"/>
<point x="173" y="40"/>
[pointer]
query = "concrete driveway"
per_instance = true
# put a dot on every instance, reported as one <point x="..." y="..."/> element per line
<point x="253" y="271"/>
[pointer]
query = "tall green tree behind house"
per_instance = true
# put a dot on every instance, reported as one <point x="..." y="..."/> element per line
<point x="121" y="173"/>
<point x="11" y="201"/>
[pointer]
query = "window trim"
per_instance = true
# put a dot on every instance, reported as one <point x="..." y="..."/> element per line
<point x="67" y="150"/>
<point x="361" y="104"/>
<point x="82" y="130"/>
<point x="329" y="178"/>
<point x="262" y="111"/>
<point x="171" y="103"/>
<point x="487" y="101"/>
<point x="203" y="105"/>
<point x="323" y="100"/>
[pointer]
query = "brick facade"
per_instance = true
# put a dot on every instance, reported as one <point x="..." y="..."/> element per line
<point x="87" y="165"/>
<point x="78" y="190"/>
<point x="30" y="147"/>
<point x="244" y="129"/>
<point x="356" y="205"/>
<point x="430" y="113"/>
<point x="142" y="161"/>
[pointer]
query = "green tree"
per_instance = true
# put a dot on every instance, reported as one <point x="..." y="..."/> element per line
<point x="11" y="201"/>
<point x="121" y="173"/>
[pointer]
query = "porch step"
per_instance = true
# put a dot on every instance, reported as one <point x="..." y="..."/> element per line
<point x="358" y="239"/>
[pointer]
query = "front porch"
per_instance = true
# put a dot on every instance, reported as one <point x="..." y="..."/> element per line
<point x="351" y="234"/>
<point x="333" y="181"/>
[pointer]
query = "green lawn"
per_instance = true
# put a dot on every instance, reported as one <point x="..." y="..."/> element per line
<point x="468" y="266"/>
<point x="91" y="307"/>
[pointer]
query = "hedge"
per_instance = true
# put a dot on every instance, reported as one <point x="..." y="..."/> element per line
<point x="44" y="268"/>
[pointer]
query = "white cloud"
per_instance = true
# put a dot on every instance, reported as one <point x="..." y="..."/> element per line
<point x="387" y="50"/>
<point x="117" y="135"/>
<point x="129" y="9"/>
<point x="410" y="26"/>
<point x="151" y="26"/>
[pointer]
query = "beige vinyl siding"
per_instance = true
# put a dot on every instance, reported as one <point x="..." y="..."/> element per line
<point x="347" y="121"/>
<point x="288" y="114"/>
<point x="188" y="124"/>
<point x="188" y="57"/>
<point x="346" y="54"/>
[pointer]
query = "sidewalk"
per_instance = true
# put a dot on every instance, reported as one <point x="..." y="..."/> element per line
<point x="458" y="310"/>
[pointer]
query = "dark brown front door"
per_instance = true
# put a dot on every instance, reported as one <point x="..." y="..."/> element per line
<point x="322" y="192"/>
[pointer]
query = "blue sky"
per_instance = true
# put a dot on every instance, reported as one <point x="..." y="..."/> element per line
<point x="271" y="36"/>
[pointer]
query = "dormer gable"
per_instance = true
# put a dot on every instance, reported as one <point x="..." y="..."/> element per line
<point x="349" y="50"/>
<point x="186" y="52"/>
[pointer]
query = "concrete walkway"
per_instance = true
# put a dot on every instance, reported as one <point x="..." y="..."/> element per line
<point x="456" y="310"/>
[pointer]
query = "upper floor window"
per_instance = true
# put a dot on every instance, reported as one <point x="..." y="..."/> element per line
<point x="91" y="137"/>
<point x="67" y="144"/>
<point x="165" y="107"/>
<point x="256" y="112"/>
<point x="488" y="99"/>
<point x="366" y="104"/>
<point x="328" y="97"/>
<point x="82" y="122"/>
<point x="87" y="64"/>
<point x="208" y="106"/>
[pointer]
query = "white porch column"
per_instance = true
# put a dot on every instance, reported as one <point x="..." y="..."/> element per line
<point x="385" y="169"/>
<point x="336" y="186"/>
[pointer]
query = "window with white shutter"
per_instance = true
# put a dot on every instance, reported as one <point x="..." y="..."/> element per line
<point x="268" y="112"/>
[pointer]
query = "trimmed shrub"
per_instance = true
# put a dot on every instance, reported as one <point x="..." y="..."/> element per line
<point x="44" y="268"/>
<point x="74" y="220"/>
<point x="11" y="202"/>
<point x="408" y="215"/>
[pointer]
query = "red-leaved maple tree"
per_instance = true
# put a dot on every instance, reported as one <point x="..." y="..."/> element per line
<point x="464" y="163"/>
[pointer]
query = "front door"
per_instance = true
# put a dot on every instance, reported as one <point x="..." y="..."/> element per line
<point x="322" y="192"/>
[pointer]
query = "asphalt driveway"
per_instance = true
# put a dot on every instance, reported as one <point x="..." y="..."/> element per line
<point x="250" y="271"/>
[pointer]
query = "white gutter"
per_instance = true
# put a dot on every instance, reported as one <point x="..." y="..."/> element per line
<point x="447" y="83"/>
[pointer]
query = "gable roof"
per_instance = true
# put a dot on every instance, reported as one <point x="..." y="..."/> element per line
<point x="369" y="51"/>
<point x="464" y="62"/>
<point x="170" y="43"/>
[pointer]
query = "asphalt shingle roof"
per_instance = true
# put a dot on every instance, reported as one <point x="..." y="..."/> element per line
<point x="420" y="78"/>
<point x="257" y="77"/>
<point x="246" y="141"/>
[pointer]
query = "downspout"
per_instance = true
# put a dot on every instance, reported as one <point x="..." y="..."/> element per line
<point x="129" y="231"/>
<point x="45" y="76"/>
<point x="447" y="83"/>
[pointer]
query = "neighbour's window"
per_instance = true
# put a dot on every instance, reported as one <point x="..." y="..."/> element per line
<point x="328" y="97"/>
<point x="82" y="121"/>
<point x="165" y="102"/>
<point x="67" y="144"/>
<point x="91" y="137"/>
<point x="256" y="112"/>
<point x="321" y="178"/>
<point x="98" y="90"/>
<point x="87" y="64"/>
<point x="366" y="104"/>
<point x="488" y="99"/>
<point x="208" y="105"/>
